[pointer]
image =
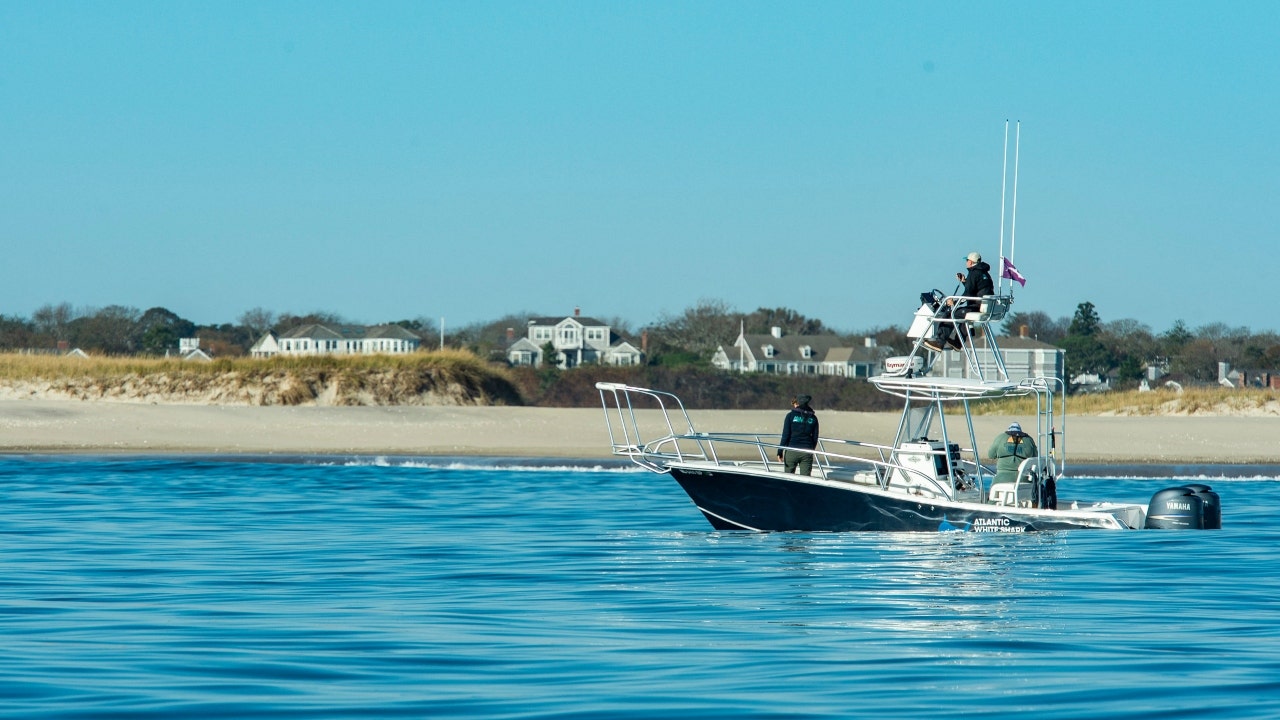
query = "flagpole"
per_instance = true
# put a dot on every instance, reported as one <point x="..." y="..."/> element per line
<point x="1013" y="226"/>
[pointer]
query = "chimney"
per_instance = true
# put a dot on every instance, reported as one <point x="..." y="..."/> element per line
<point x="1023" y="331"/>
<point x="577" y="312"/>
<point x="775" y="331"/>
<point x="644" y="341"/>
<point x="869" y="342"/>
<point x="511" y="334"/>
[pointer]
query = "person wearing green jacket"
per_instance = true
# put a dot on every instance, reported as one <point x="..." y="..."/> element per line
<point x="1009" y="449"/>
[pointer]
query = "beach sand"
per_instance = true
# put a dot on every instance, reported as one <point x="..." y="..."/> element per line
<point x="70" y="426"/>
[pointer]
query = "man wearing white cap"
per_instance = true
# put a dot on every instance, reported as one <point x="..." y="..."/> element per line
<point x="1009" y="449"/>
<point x="977" y="283"/>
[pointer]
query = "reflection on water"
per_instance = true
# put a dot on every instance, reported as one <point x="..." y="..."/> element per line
<point x="926" y="583"/>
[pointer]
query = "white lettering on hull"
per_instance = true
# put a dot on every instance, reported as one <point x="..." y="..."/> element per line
<point x="1001" y="524"/>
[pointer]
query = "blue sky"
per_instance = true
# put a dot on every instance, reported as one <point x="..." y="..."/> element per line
<point x="467" y="160"/>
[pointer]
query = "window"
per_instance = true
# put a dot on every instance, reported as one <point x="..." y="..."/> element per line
<point x="768" y="351"/>
<point x="595" y="333"/>
<point x="806" y="351"/>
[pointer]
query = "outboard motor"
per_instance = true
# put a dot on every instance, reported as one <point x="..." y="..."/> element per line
<point x="1180" y="508"/>
<point x="1212" y="505"/>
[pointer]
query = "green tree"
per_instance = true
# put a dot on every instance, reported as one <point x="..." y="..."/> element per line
<point x="1175" y="338"/>
<point x="1132" y="347"/>
<point x="550" y="356"/>
<point x="1084" y="351"/>
<point x="160" y="329"/>
<point x="1086" y="321"/>
<point x="1086" y="354"/>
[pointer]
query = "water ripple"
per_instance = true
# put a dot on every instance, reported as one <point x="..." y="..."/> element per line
<point x="180" y="587"/>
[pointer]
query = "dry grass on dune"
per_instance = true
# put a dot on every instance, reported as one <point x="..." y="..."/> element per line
<point x="448" y="377"/>
<point x="1193" y="401"/>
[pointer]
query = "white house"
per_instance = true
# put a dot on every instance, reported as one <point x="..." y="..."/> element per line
<point x="266" y="346"/>
<point x="189" y="349"/>
<point x="323" y="339"/>
<point x="798" y="355"/>
<point x="1024" y="357"/>
<point x="577" y="340"/>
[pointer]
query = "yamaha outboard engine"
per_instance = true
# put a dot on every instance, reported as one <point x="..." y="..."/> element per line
<point x="1212" y="505"/>
<point x="1189" y="507"/>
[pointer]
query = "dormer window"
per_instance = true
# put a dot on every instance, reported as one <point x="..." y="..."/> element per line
<point x="768" y="351"/>
<point x="806" y="352"/>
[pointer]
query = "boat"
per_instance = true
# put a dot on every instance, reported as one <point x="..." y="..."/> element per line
<point x="930" y="477"/>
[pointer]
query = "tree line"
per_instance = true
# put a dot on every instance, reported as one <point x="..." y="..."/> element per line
<point x="1124" y="349"/>
<point x="1121" y="349"/>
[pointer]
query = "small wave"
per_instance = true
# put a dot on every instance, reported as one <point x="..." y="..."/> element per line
<point x="558" y="465"/>
<point x="1175" y="478"/>
<point x="1189" y="472"/>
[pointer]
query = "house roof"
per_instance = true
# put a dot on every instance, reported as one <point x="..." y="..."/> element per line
<point x="268" y="339"/>
<point x="318" y="331"/>
<point x="825" y="348"/>
<point x="584" y="321"/>
<point x="1016" y="342"/>
<point x="839" y="355"/>
<point x="522" y="344"/>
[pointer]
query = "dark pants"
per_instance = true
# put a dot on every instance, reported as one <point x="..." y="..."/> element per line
<point x="793" y="459"/>
<point x="944" y="330"/>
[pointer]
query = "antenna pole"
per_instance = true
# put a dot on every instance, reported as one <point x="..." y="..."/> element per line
<point x="1013" y="227"/>
<point x="1004" y="183"/>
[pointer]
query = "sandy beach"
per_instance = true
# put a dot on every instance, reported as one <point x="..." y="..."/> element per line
<point x="68" y="426"/>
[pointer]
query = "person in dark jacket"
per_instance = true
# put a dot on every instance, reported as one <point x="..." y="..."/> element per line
<point x="799" y="430"/>
<point x="976" y="284"/>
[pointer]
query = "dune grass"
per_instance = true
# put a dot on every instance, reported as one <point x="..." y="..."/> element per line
<point x="353" y="379"/>
<point x="459" y="377"/>
<point x="1190" y="401"/>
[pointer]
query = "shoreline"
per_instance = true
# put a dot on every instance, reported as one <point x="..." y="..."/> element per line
<point x="44" y="426"/>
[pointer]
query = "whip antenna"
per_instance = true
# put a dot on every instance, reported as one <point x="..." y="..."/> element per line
<point x="1004" y="183"/>
<point x="1013" y="227"/>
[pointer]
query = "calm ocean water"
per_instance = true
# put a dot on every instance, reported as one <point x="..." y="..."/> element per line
<point x="364" y="588"/>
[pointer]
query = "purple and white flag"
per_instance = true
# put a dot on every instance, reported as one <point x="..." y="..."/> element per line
<point x="1011" y="272"/>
